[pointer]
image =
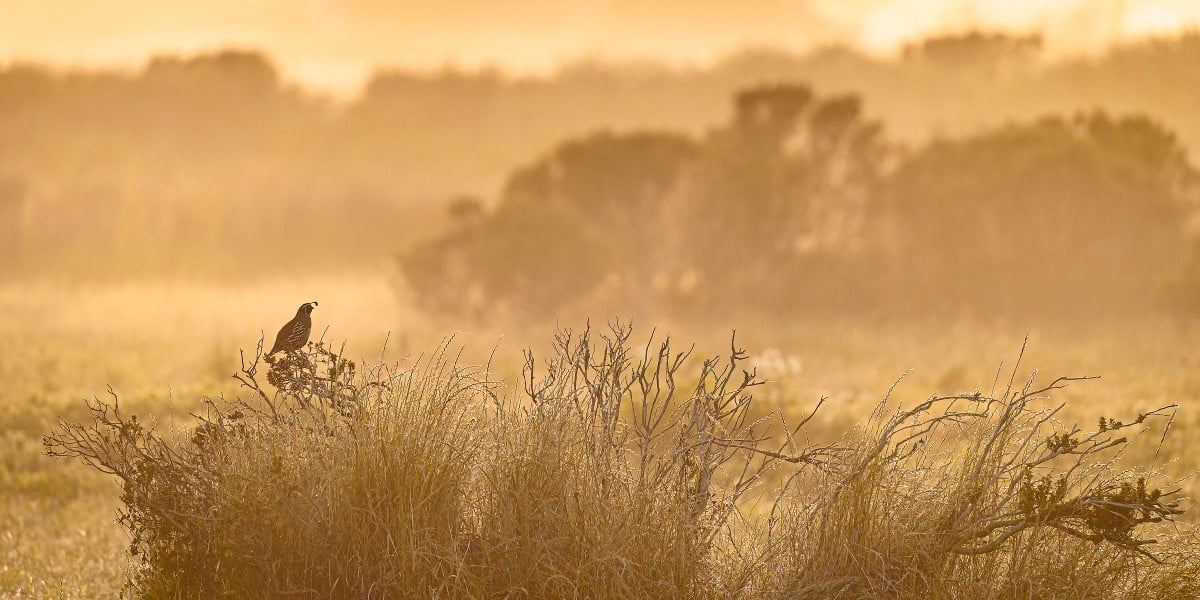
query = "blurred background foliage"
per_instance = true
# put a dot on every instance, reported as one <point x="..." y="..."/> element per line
<point x="967" y="175"/>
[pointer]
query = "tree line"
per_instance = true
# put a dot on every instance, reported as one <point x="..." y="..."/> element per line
<point x="189" y="164"/>
<point x="799" y="204"/>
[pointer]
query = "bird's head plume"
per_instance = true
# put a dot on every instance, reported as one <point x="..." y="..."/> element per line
<point x="306" y="308"/>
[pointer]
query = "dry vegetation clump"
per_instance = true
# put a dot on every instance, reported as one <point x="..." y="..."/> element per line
<point x="335" y="485"/>
<point x="618" y="479"/>
<point x="618" y="471"/>
<point x="983" y="496"/>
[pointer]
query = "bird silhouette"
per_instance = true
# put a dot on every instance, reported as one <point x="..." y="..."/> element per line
<point x="294" y="334"/>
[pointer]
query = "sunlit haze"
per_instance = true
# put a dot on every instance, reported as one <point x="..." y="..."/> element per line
<point x="335" y="45"/>
<point x="606" y="299"/>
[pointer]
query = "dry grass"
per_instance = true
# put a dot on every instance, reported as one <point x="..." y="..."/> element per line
<point x="59" y="540"/>
<point x="626" y="471"/>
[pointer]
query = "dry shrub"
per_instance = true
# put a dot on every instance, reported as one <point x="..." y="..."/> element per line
<point x="615" y="471"/>
<point x="335" y="486"/>
<point x="616" y="479"/>
<point x="979" y="496"/>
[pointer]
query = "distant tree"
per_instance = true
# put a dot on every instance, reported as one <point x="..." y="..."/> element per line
<point x="219" y="70"/>
<point x="465" y="210"/>
<point x="618" y="181"/>
<point x="786" y="180"/>
<point x="587" y="212"/>
<point x="1060" y="215"/>
<point x="770" y="112"/>
<point x="985" y="53"/>
<point x="516" y="262"/>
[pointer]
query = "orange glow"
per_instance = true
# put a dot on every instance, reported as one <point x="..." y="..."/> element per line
<point x="334" y="45"/>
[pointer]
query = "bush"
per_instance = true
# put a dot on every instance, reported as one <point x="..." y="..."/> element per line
<point x="1058" y="217"/>
<point x="617" y="471"/>
<point x="336" y="482"/>
<point x="973" y="496"/>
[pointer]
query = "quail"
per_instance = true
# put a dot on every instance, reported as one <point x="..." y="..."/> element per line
<point x="294" y="334"/>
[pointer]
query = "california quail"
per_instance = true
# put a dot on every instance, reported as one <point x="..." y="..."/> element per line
<point x="294" y="334"/>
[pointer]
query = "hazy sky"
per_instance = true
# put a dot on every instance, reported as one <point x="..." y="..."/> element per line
<point x="335" y="43"/>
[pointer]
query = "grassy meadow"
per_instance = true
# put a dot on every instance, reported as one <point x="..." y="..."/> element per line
<point x="163" y="346"/>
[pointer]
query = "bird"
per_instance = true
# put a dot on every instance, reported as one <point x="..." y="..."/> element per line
<point x="294" y="334"/>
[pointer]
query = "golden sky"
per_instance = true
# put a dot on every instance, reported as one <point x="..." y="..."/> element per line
<point x="335" y="43"/>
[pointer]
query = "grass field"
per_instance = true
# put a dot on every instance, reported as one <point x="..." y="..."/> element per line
<point x="164" y="345"/>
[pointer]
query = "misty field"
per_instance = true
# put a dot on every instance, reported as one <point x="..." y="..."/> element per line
<point x="162" y="347"/>
<point x="818" y="325"/>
